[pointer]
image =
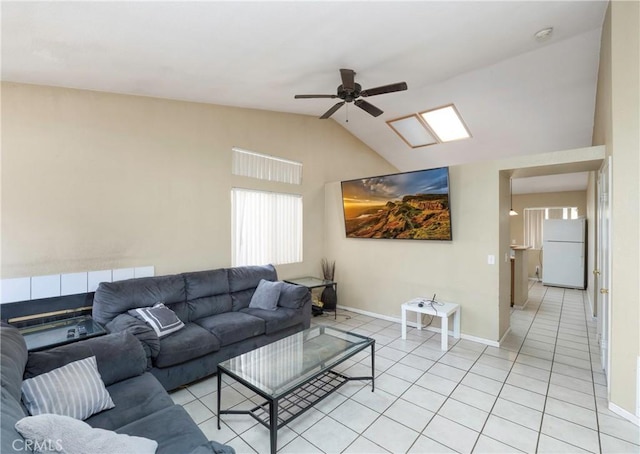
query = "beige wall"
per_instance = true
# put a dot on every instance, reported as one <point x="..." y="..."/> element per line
<point x="617" y="126"/>
<point x="542" y="200"/>
<point x="99" y="181"/>
<point x="378" y="275"/>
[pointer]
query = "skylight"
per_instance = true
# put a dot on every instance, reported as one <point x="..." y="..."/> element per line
<point x="413" y="131"/>
<point x="430" y="127"/>
<point x="446" y="123"/>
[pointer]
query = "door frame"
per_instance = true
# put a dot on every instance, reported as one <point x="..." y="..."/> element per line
<point x="603" y="275"/>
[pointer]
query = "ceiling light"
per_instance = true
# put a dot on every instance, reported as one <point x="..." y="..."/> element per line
<point x="412" y="131"/>
<point x="543" y="34"/>
<point x="446" y="123"/>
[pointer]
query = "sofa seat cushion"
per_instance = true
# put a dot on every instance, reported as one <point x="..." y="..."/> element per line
<point x="276" y="320"/>
<point x="232" y="327"/>
<point x="190" y="342"/>
<point x="172" y="428"/>
<point x="134" y="398"/>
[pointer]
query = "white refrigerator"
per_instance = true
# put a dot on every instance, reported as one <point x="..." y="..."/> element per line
<point x="564" y="253"/>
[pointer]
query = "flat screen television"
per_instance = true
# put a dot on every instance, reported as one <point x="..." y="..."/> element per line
<point x="410" y="205"/>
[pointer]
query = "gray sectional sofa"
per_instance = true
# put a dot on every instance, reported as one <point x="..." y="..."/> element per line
<point x="142" y="406"/>
<point x="214" y="307"/>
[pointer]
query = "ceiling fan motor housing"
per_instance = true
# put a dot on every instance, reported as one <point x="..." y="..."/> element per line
<point x="349" y="95"/>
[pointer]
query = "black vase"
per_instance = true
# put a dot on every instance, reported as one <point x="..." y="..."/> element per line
<point x="329" y="299"/>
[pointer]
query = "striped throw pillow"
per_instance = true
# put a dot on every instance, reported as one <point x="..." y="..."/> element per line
<point x="159" y="317"/>
<point x="75" y="389"/>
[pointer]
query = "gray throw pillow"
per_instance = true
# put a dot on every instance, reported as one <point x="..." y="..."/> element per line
<point x="159" y="317"/>
<point x="75" y="390"/>
<point x="64" y="434"/>
<point x="266" y="295"/>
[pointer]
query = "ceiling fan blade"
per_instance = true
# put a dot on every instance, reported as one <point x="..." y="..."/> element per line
<point x="400" y="86"/>
<point x="367" y="107"/>
<point x="314" y="96"/>
<point x="330" y="112"/>
<point x="348" y="76"/>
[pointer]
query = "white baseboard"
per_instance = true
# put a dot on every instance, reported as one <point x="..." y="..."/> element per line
<point x="479" y="340"/>
<point x="516" y="306"/>
<point x="624" y="413"/>
<point x="503" y="336"/>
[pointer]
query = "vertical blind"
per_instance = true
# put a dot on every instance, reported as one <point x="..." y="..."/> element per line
<point x="266" y="227"/>
<point x="264" y="167"/>
<point x="533" y="218"/>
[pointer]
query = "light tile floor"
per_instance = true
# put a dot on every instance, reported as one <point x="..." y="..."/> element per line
<point x="542" y="391"/>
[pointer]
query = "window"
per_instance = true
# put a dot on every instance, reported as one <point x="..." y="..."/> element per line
<point x="533" y="222"/>
<point x="264" y="167"/>
<point x="266" y="227"/>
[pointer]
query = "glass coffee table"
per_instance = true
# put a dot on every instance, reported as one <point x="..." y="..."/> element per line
<point x="294" y="373"/>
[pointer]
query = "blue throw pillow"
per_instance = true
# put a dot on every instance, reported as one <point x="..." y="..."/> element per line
<point x="266" y="295"/>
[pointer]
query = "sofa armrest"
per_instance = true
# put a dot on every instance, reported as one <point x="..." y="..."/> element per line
<point x="119" y="356"/>
<point x="143" y="332"/>
<point x="213" y="447"/>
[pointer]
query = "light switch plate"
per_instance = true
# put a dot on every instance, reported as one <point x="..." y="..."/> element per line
<point x="491" y="260"/>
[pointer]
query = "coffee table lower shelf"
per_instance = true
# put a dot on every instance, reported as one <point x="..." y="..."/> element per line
<point x="288" y="407"/>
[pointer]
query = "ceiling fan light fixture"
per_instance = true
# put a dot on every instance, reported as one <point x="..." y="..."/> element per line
<point x="446" y="123"/>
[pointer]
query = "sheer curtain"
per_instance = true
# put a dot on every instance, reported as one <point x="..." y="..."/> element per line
<point x="266" y="227"/>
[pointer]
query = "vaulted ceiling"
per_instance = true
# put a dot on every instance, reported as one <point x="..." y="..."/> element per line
<point x="517" y="95"/>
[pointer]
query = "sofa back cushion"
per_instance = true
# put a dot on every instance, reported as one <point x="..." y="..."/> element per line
<point x="119" y="356"/>
<point x="13" y="358"/>
<point x="243" y="281"/>
<point x="207" y="293"/>
<point x="114" y="298"/>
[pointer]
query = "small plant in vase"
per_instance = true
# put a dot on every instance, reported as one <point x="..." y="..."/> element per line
<point x="328" y="297"/>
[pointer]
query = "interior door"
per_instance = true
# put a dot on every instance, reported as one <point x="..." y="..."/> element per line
<point x="604" y="263"/>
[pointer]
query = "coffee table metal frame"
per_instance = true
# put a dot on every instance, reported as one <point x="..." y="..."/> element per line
<point x="286" y="405"/>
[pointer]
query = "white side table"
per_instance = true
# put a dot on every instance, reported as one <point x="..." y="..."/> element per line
<point x="443" y="311"/>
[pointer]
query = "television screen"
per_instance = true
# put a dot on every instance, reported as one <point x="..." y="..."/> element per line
<point x="411" y="205"/>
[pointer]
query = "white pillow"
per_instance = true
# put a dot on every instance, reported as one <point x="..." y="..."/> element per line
<point x="159" y="317"/>
<point x="68" y="435"/>
<point x="75" y="389"/>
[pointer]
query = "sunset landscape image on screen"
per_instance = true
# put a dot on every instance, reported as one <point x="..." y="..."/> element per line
<point x="412" y="205"/>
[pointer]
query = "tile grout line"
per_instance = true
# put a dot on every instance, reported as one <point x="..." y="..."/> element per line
<point x="546" y="395"/>
<point x="506" y="378"/>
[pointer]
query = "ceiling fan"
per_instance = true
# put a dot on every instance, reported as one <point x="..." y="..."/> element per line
<point x="350" y="91"/>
